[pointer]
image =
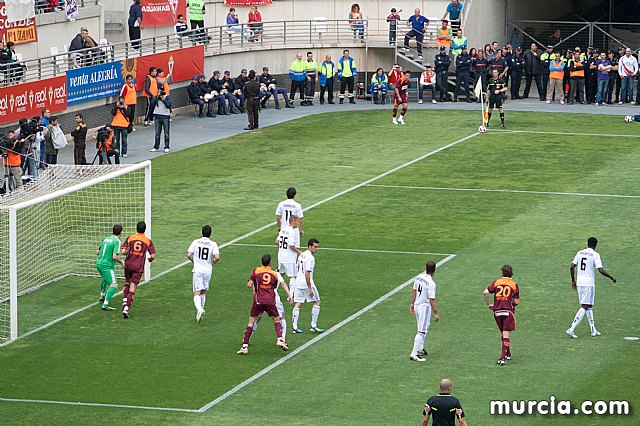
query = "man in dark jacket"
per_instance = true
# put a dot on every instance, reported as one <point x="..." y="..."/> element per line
<point x="251" y="88"/>
<point x="463" y="67"/>
<point x="442" y="63"/>
<point x="533" y="70"/>
<point x="196" y="97"/>
<point x="217" y="85"/>
<point x="76" y="59"/>
<point x="272" y="86"/>
<point x="516" y="66"/>
<point x="79" y="134"/>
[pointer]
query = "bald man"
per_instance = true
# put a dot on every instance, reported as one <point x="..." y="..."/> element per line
<point x="444" y="408"/>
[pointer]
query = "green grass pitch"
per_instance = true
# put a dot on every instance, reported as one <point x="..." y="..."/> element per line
<point x="537" y="214"/>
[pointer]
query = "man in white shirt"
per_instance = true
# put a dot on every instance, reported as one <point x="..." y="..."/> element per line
<point x="202" y="253"/>
<point x="423" y="302"/>
<point x="587" y="261"/>
<point x="304" y="289"/>
<point x="287" y="208"/>
<point x="427" y="82"/>
<point x="627" y="68"/>
<point x="288" y="242"/>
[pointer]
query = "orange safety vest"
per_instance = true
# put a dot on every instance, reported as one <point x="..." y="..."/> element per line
<point x="120" y="120"/>
<point x="108" y="143"/>
<point x="557" y="75"/>
<point x="579" y="73"/>
<point x="13" y="158"/>
<point x="129" y="93"/>
<point x="441" y="32"/>
<point x="153" y="87"/>
<point x="166" y="88"/>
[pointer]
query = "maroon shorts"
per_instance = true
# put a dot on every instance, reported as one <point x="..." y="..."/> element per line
<point x="132" y="276"/>
<point x="399" y="100"/>
<point x="258" y="308"/>
<point x="506" y="320"/>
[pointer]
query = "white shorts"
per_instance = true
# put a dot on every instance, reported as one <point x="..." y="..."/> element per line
<point x="423" y="317"/>
<point x="586" y="294"/>
<point x="302" y="295"/>
<point x="201" y="281"/>
<point x="279" y="306"/>
<point x="289" y="269"/>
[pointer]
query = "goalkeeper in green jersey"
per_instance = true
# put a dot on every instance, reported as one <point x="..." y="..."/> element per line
<point x="107" y="257"/>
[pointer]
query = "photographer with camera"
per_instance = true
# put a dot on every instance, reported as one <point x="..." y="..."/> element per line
<point x="30" y="132"/>
<point x="161" y="115"/>
<point x="121" y="125"/>
<point x="105" y="146"/>
<point x="12" y="151"/>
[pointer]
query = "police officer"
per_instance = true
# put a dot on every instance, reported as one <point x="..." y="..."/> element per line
<point x="196" y="11"/>
<point x="481" y="67"/>
<point x="312" y="76"/>
<point x="442" y="63"/>
<point x="444" y="407"/>
<point x="463" y="66"/>
<point x="517" y="67"/>
<point x="251" y="90"/>
<point x="591" y="77"/>
<point x="614" y="77"/>
<point x="545" y="60"/>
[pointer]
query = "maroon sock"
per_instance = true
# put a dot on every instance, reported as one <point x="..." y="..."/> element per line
<point x="247" y="335"/>
<point x="505" y="347"/>
<point x="278" y="326"/>
<point x="130" y="298"/>
<point x="125" y="293"/>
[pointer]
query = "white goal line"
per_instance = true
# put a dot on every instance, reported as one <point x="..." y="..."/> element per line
<point x="274" y="246"/>
<point x="511" y="191"/>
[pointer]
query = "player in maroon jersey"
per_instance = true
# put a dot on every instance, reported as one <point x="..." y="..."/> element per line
<point x="401" y="96"/>
<point x="136" y="247"/>
<point x="506" y="296"/>
<point x="264" y="281"/>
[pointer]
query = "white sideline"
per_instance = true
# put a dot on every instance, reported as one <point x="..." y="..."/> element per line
<point x="262" y="228"/>
<point x="513" y="191"/>
<point x="96" y="404"/>
<point x="354" y="250"/>
<point x="312" y="341"/>
<point x="563" y="133"/>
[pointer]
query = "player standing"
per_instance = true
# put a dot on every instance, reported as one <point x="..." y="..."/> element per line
<point x="496" y="88"/>
<point x="401" y="96"/>
<point x="107" y="257"/>
<point x="264" y="281"/>
<point x="287" y="208"/>
<point x="589" y="260"/>
<point x="506" y="296"/>
<point x="423" y="302"/>
<point x="135" y="247"/>
<point x="202" y="253"/>
<point x="304" y="288"/>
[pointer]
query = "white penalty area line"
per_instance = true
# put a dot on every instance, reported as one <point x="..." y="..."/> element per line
<point x="563" y="133"/>
<point x="95" y="404"/>
<point x="354" y="250"/>
<point x="313" y="341"/>
<point x="512" y="191"/>
<point x="249" y="234"/>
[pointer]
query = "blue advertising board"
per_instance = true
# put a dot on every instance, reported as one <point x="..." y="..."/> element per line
<point x="94" y="82"/>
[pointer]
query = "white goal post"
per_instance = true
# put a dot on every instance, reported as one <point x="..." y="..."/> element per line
<point x="52" y="228"/>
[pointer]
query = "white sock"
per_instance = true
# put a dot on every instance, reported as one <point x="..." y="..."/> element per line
<point x="418" y="342"/>
<point x="255" y="326"/>
<point x="590" y="318"/>
<point x="315" y="313"/>
<point x="577" y="319"/>
<point x="284" y="327"/>
<point x="203" y="300"/>
<point x="294" y="317"/>
<point x="196" y="302"/>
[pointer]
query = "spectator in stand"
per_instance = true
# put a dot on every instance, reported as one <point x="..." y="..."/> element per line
<point x="418" y="25"/>
<point x="79" y="134"/>
<point x="463" y="66"/>
<point x="481" y="67"/>
<point x="443" y="37"/>
<point x="44" y="122"/>
<point x="458" y="41"/>
<point x="51" y="133"/>
<point x="120" y="125"/>
<point x="488" y="52"/>
<point x="555" y="39"/>
<point x="556" y="75"/>
<point x="533" y="70"/>
<point x="196" y="97"/>
<point x="150" y="92"/>
<point x="272" y="86"/>
<point x="603" y="65"/>
<point x="576" y="68"/>
<point x="196" y="11"/>
<point x="442" y="63"/>
<point x="516" y="67"/>
<point x="347" y="76"/>
<point x="135" y="23"/>
<point x="12" y="70"/>
<point x="515" y="38"/>
<point x="393" y="19"/>
<point x="473" y="52"/>
<point x="161" y="116"/>
<point x="379" y="83"/>
<point x="395" y="74"/>
<point x="182" y="29"/>
<point x="327" y="74"/>
<point x="51" y="6"/>
<point x="128" y="92"/>
<point x="454" y="10"/>
<point x="545" y="60"/>
<point x="591" y="75"/>
<point x="255" y="24"/>
<point x="614" y="77"/>
<point x="77" y="55"/>
<point x="627" y="69"/>
<point x="233" y="24"/>
<point x="427" y="82"/>
<point x="356" y="23"/>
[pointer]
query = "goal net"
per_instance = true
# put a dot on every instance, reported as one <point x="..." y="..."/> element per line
<point x="52" y="228"/>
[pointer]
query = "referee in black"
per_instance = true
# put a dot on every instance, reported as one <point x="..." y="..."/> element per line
<point x="496" y="88"/>
<point x="444" y="408"/>
<point x="251" y="90"/>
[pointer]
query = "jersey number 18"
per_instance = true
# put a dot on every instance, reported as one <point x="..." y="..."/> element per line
<point x="203" y="253"/>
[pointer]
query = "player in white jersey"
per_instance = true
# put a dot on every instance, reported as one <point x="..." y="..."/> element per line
<point x="288" y="242"/>
<point x="202" y="253"/>
<point x="423" y="302"/>
<point x="587" y="261"/>
<point x="304" y="289"/>
<point x="286" y="209"/>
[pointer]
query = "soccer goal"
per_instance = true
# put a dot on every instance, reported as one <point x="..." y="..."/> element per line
<point x="52" y="229"/>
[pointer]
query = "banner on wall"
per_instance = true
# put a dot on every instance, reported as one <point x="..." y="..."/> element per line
<point x="71" y="9"/>
<point x="181" y="64"/>
<point x="162" y="13"/>
<point x="29" y="99"/>
<point x="247" y="3"/>
<point x="19" y="32"/>
<point x="95" y="82"/>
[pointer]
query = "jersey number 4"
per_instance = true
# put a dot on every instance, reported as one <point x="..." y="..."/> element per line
<point x="203" y="253"/>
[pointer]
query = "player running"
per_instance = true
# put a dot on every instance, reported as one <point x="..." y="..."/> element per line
<point x="107" y="257"/>
<point x="287" y="208"/>
<point x="506" y="296"/>
<point x="496" y="88"/>
<point x="264" y="281"/>
<point x="135" y="247"/>
<point x="304" y="289"/>
<point x="401" y="96"/>
<point x="589" y="260"/>
<point x="202" y="253"/>
<point x="423" y="302"/>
